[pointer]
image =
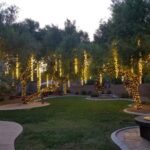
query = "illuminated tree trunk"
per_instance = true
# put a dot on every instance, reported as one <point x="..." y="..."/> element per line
<point x="60" y="67"/>
<point x="75" y="65"/>
<point x="47" y="80"/>
<point x="100" y="79"/>
<point x="132" y="71"/>
<point x="38" y="77"/>
<point x="17" y="67"/>
<point x="23" y="88"/>
<point x="82" y="81"/>
<point x="56" y="64"/>
<point x="115" y="56"/>
<point x="31" y="68"/>
<point x="140" y="69"/>
<point x="131" y="83"/>
<point x="64" y="88"/>
<point x="68" y="83"/>
<point x="86" y="64"/>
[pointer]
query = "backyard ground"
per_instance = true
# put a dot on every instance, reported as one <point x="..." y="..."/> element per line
<point x="70" y="123"/>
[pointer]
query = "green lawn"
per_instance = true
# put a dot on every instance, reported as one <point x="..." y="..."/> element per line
<point x="70" y="123"/>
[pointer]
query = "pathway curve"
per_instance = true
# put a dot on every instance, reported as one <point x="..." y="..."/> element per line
<point x="22" y="106"/>
<point x="9" y="131"/>
<point x="129" y="139"/>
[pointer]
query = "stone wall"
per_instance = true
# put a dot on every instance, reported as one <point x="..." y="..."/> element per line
<point x="117" y="89"/>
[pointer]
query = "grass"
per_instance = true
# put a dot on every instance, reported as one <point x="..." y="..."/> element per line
<point x="70" y="123"/>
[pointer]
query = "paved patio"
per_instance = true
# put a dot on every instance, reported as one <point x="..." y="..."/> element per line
<point x="129" y="139"/>
<point x="9" y="131"/>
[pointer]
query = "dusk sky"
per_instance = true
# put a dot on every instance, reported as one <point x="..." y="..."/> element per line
<point x="87" y="13"/>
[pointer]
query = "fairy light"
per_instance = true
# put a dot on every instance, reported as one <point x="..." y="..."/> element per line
<point x="17" y="67"/>
<point x="38" y="77"/>
<point x="47" y="80"/>
<point x="82" y="81"/>
<point x="60" y="67"/>
<point x="69" y="85"/>
<point x="100" y="79"/>
<point x="130" y="82"/>
<point x="31" y="65"/>
<point x="6" y="68"/>
<point x="131" y="61"/>
<point x="85" y="68"/>
<point x="56" y="63"/>
<point x="6" y="71"/>
<point x="75" y="65"/>
<point x="23" y="79"/>
<point x="140" y="69"/>
<point x="115" y="57"/>
<point x="13" y="74"/>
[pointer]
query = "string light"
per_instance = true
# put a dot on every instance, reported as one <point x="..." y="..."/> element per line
<point x="32" y="69"/>
<point x="115" y="57"/>
<point x="56" y="64"/>
<point x="69" y="85"/>
<point x="100" y="79"/>
<point x="47" y="80"/>
<point x="17" y="67"/>
<point x="76" y="65"/>
<point x="130" y="82"/>
<point x="85" y="68"/>
<point x="140" y="68"/>
<point x="38" y="77"/>
<point x="132" y="70"/>
<point x="60" y="67"/>
<point x="82" y="81"/>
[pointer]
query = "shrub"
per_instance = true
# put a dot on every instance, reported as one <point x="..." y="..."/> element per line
<point x="125" y="95"/>
<point x="95" y="94"/>
<point x="1" y="99"/>
<point x="109" y="92"/>
<point x="90" y="82"/>
<point x="68" y="91"/>
<point x="83" y="93"/>
<point x="77" y="93"/>
<point x="116" y="81"/>
<point x="102" y="92"/>
<point x="89" y="92"/>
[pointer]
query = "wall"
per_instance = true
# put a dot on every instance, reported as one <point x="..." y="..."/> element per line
<point x="117" y="89"/>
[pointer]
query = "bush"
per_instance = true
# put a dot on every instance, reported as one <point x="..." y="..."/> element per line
<point x="125" y="95"/>
<point x="77" y="93"/>
<point x="83" y="93"/>
<point x="147" y="79"/>
<point x="102" y="92"/>
<point x="89" y="92"/>
<point x="109" y="92"/>
<point x="68" y="91"/>
<point x="95" y="94"/>
<point x="90" y="82"/>
<point x="1" y="99"/>
<point x="116" y="81"/>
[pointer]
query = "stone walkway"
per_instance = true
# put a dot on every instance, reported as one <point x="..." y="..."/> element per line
<point x="9" y="131"/>
<point x="135" y="113"/>
<point x="129" y="139"/>
<point x="23" y="106"/>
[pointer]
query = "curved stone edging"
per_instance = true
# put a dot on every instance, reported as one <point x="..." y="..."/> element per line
<point x="135" y="113"/>
<point x="108" y="99"/>
<point x="117" y="141"/>
<point x="51" y="97"/>
<point x="20" y="106"/>
<point x="9" y="131"/>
